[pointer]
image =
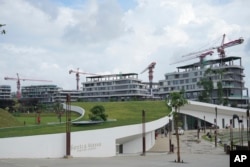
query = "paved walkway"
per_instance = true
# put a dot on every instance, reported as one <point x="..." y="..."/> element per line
<point x="193" y="154"/>
<point x="188" y="144"/>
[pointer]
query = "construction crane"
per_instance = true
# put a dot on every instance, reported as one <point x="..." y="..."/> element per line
<point x="220" y="49"/>
<point x="150" y="74"/>
<point x="201" y="56"/>
<point x="18" y="79"/>
<point x="78" y="76"/>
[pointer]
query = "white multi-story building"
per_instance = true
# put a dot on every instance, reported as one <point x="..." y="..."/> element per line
<point x="186" y="78"/>
<point x="114" y="87"/>
<point x="5" y="92"/>
<point x="43" y="93"/>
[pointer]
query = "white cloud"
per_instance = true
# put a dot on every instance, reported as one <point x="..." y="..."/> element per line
<point x="47" y="38"/>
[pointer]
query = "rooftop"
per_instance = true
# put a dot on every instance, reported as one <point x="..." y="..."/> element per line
<point x="214" y="61"/>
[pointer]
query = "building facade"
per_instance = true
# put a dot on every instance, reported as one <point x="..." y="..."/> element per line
<point x="231" y="76"/>
<point x="5" y="92"/>
<point x="42" y="93"/>
<point x="115" y="87"/>
<point x="60" y="95"/>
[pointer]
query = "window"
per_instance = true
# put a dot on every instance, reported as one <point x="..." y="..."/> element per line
<point x="175" y="82"/>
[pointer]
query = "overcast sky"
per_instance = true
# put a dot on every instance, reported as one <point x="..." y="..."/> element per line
<point x="47" y="38"/>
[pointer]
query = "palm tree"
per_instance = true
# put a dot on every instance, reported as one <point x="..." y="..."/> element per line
<point x="175" y="101"/>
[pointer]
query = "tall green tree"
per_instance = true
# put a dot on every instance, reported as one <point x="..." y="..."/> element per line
<point x="175" y="101"/>
<point x="207" y="83"/>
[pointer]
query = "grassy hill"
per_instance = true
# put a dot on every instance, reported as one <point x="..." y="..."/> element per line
<point x="125" y="113"/>
<point x="128" y="112"/>
<point x="7" y="120"/>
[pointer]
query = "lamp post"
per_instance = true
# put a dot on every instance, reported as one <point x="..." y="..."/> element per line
<point x="248" y="130"/>
<point x="68" y="126"/>
<point x="215" y="135"/>
<point x="241" y="130"/>
<point x="170" y="133"/>
<point x="143" y="134"/>
<point x="231" y="133"/>
<point x="237" y="117"/>
<point x="204" y="124"/>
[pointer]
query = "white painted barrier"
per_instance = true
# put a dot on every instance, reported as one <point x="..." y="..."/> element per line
<point x="93" y="143"/>
<point x="102" y="142"/>
<point x="77" y="109"/>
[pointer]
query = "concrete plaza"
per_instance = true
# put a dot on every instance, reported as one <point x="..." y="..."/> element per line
<point x="193" y="154"/>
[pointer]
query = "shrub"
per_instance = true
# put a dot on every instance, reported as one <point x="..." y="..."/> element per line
<point x="98" y="113"/>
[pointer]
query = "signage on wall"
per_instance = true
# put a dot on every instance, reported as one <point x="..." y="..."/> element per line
<point x="86" y="147"/>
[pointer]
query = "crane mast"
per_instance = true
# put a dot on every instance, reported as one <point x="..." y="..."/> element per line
<point x="77" y="72"/>
<point x="150" y="74"/>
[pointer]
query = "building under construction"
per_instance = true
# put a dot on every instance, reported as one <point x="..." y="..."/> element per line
<point x="228" y="71"/>
<point x="114" y="87"/>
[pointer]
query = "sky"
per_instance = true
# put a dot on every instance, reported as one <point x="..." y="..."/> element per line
<point x="45" y="39"/>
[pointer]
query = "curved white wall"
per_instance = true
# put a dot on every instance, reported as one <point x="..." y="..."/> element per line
<point x="102" y="142"/>
<point x="94" y="143"/>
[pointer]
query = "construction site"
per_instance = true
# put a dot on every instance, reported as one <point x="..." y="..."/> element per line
<point x="224" y="74"/>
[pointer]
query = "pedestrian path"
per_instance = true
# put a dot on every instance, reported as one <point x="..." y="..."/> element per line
<point x="189" y="143"/>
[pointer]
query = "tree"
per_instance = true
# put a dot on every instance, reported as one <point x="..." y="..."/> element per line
<point x="98" y="113"/>
<point x="207" y="83"/>
<point x="206" y="93"/>
<point x="3" y="31"/>
<point x="58" y="108"/>
<point x="175" y="101"/>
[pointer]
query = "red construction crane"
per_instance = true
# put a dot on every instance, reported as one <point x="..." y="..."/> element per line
<point x="220" y="49"/>
<point x="201" y="56"/>
<point x="150" y="74"/>
<point x="18" y="79"/>
<point x="78" y="76"/>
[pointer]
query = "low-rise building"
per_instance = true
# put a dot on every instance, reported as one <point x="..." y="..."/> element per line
<point x="5" y="92"/>
<point x="42" y="93"/>
<point x="115" y="87"/>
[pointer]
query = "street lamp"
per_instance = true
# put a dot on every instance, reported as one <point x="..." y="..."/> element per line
<point x="204" y="124"/>
<point x="248" y="130"/>
<point x="68" y="125"/>
<point x="231" y="133"/>
<point x="170" y="133"/>
<point x="237" y="117"/>
<point x="215" y="136"/>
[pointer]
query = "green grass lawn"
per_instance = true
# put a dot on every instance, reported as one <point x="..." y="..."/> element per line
<point x="125" y="113"/>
